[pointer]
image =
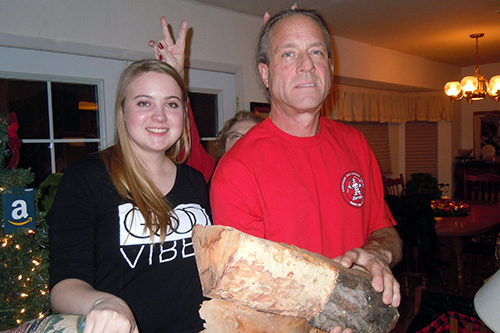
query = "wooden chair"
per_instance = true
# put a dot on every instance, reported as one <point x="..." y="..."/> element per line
<point x="484" y="187"/>
<point x="395" y="186"/>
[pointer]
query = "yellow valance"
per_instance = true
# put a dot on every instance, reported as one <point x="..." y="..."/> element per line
<point x="350" y="103"/>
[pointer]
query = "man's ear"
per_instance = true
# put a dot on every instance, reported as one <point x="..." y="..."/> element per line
<point x="264" y="73"/>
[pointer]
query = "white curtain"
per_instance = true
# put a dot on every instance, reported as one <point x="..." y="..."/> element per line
<point x="350" y="103"/>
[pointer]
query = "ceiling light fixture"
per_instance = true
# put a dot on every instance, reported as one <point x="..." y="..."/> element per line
<point x="475" y="87"/>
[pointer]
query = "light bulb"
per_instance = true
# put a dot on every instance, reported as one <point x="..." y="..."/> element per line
<point x="494" y="83"/>
<point x="453" y="88"/>
<point x="469" y="83"/>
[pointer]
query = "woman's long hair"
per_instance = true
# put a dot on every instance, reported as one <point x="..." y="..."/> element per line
<point x="126" y="170"/>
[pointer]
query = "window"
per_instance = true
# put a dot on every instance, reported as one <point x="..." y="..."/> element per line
<point x="421" y="148"/>
<point x="377" y="136"/>
<point x="58" y="122"/>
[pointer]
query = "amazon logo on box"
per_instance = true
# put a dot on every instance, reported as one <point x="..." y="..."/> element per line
<point x="18" y="209"/>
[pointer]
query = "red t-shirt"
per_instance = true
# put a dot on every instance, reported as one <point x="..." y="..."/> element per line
<point x="322" y="193"/>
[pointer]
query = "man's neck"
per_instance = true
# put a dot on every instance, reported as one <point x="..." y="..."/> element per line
<point x="304" y="124"/>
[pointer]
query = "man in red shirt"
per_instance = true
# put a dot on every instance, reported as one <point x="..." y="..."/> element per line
<point x="300" y="178"/>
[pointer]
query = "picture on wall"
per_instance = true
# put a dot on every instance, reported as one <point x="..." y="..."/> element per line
<point x="487" y="135"/>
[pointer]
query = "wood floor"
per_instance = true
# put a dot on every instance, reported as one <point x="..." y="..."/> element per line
<point x="435" y="283"/>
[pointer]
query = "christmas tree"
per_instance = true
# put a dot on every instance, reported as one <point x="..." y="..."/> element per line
<point x="24" y="253"/>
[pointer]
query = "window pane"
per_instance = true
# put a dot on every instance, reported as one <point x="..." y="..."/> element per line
<point x="70" y="152"/>
<point x="28" y="99"/>
<point x="35" y="156"/>
<point x="75" y="111"/>
<point x="205" y="112"/>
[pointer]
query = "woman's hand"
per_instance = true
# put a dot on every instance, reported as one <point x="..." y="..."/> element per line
<point x="173" y="53"/>
<point x="105" y="313"/>
<point x="110" y="314"/>
<point x="267" y="16"/>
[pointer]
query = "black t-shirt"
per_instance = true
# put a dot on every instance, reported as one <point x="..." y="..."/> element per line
<point x="92" y="238"/>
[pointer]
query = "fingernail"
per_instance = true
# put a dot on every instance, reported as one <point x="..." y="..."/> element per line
<point x="161" y="57"/>
<point x="160" y="46"/>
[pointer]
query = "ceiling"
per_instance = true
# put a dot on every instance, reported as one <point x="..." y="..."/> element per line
<point x="435" y="29"/>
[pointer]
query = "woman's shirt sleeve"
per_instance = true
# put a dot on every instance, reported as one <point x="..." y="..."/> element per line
<point x="73" y="223"/>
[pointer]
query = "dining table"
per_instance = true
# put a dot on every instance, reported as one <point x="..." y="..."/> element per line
<point x="483" y="218"/>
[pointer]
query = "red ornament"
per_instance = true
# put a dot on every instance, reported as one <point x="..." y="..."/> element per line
<point x="14" y="142"/>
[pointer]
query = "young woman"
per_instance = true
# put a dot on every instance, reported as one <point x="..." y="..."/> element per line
<point x="120" y="227"/>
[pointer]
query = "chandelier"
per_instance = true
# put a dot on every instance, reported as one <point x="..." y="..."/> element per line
<point x="475" y="87"/>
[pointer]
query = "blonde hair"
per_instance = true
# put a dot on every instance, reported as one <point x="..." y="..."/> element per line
<point x="220" y="141"/>
<point x="126" y="170"/>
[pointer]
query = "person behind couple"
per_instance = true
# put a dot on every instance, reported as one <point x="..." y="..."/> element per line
<point x="232" y="131"/>
<point x="302" y="179"/>
<point x="120" y="228"/>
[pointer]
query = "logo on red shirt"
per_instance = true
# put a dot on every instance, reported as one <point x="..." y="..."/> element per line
<point x="353" y="189"/>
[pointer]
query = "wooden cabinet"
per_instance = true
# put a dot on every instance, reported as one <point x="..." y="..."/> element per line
<point x="472" y="168"/>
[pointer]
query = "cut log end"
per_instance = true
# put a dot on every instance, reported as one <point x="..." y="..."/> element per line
<point x="352" y="295"/>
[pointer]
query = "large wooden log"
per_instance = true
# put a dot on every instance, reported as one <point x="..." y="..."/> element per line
<point x="285" y="280"/>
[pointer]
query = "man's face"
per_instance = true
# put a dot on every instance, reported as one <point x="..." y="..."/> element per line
<point x="299" y="72"/>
